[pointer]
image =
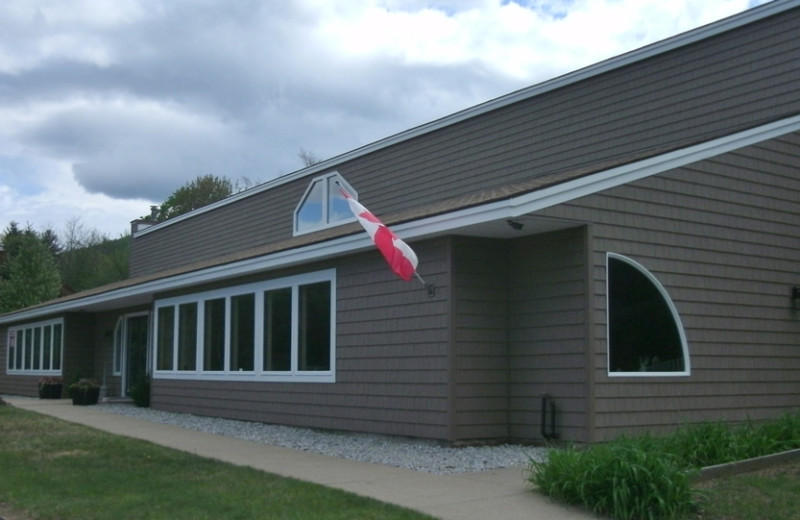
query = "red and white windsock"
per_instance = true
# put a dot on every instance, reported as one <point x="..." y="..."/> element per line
<point x="401" y="258"/>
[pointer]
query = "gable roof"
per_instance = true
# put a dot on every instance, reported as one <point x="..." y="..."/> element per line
<point x="459" y="213"/>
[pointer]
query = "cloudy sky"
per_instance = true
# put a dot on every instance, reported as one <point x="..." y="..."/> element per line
<point x="108" y="106"/>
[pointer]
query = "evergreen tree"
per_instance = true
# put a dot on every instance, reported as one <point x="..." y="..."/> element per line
<point x="32" y="275"/>
<point x="12" y="241"/>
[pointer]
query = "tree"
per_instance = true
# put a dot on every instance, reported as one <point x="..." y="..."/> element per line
<point x="32" y="275"/>
<point x="200" y="192"/>
<point x="50" y="239"/>
<point x="13" y="239"/>
<point x="309" y="158"/>
<point x="90" y="259"/>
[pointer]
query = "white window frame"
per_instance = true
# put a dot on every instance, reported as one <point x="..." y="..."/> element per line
<point x="325" y="181"/>
<point x="258" y="374"/>
<point x="687" y="367"/>
<point x="16" y="335"/>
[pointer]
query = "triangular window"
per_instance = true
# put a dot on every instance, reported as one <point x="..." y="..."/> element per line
<point x="322" y="205"/>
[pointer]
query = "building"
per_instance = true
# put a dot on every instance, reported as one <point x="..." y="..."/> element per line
<point x="612" y="251"/>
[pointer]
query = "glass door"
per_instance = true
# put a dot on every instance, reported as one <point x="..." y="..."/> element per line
<point x="137" y="332"/>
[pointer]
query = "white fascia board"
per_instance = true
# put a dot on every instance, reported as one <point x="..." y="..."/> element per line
<point x="438" y="224"/>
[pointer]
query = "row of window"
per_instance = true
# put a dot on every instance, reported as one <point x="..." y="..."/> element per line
<point x="278" y="330"/>
<point x="283" y="330"/>
<point x="36" y="348"/>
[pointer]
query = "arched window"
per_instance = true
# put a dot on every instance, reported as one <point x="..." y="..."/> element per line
<point x="322" y="205"/>
<point x="645" y="334"/>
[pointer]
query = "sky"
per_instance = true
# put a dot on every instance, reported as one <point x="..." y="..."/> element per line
<point x="109" y="106"/>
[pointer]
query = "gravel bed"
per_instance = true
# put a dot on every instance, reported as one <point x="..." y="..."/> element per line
<point x="424" y="456"/>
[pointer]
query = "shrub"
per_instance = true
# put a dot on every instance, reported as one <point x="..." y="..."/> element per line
<point x="140" y="393"/>
<point x="707" y="444"/>
<point x="649" y="477"/>
<point x="703" y="444"/>
<point x="623" y="479"/>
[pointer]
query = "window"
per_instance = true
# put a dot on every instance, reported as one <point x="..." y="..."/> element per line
<point x="278" y="330"/>
<point x="314" y="334"/>
<point x="322" y="205"/>
<point x="214" y="336"/>
<point x="165" y="335"/>
<point x="35" y="348"/>
<point x="242" y="335"/>
<point x="187" y="336"/>
<point x="645" y="334"/>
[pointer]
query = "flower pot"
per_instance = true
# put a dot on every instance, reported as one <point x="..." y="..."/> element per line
<point x="83" y="397"/>
<point x="50" y="391"/>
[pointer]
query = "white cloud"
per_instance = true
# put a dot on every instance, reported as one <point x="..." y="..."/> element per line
<point x="515" y="39"/>
<point x="52" y="198"/>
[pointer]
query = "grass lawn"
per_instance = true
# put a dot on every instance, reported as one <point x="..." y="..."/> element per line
<point x="52" y="469"/>
<point x="769" y="494"/>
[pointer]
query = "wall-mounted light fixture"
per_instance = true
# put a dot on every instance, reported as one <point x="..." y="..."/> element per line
<point x="514" y="224"/>
<point x="795" y="293"/>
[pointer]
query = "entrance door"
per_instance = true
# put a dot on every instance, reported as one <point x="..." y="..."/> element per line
<point x="136" y="333"/>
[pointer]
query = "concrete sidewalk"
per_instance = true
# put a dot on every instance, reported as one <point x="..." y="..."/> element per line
<point x="497" y="494"/>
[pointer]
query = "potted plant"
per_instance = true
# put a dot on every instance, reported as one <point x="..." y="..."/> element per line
<point x="50" y="387"/>
<point x="84" y="392"/>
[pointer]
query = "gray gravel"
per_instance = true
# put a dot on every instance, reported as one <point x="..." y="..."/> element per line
<point x="417" y="455"/>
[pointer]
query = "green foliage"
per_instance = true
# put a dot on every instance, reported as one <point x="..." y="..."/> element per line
<point x="56" y="469"/>
<point x="12" y="242"/>
<point x="649" y="477"/>
<point x="140" y="392"/>
<point x="36" y="267"/>
<point x="620" y="479"/>
<point x="707" y="444"/>
<point x="32" y="275"/>
<point x="200" y="192"/>
<point x="98" y="262"/>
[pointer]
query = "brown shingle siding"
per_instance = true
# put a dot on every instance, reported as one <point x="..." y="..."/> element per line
<point x="721" y="242"/>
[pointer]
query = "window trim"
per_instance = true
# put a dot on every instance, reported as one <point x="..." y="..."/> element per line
<point x="325" y="182"/>
<point x="18" y="332"/>
<point x="258" y="373"/>
<point x="687" y="366"/>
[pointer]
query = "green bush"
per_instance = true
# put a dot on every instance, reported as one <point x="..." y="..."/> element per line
<point x="140" y="393"/>
<point x="622" y="479"/>
<point x="708" y="444"/>
<point x="650" y="477"/>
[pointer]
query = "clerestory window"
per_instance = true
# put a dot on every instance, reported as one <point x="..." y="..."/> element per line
<point x="645" y="334"/>
<point x="322" y="205"/>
